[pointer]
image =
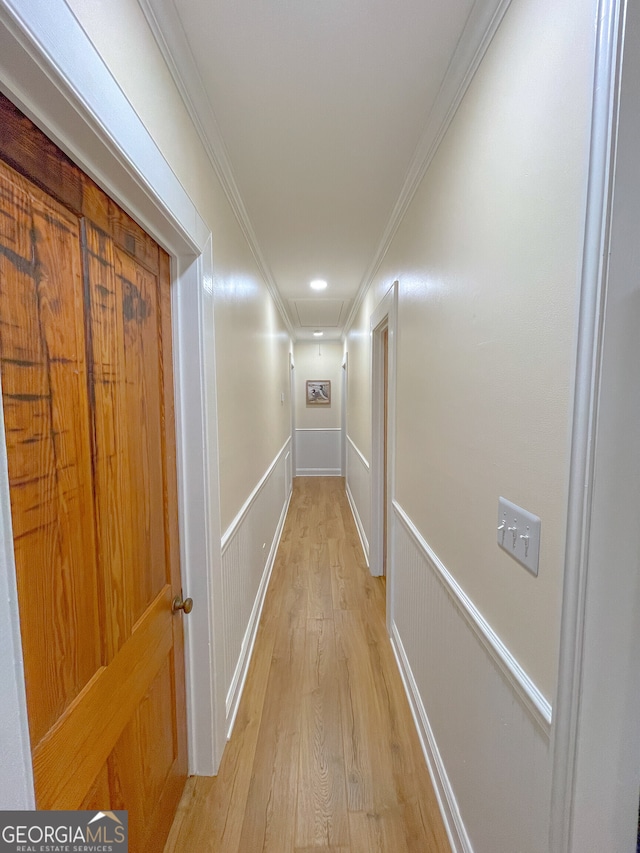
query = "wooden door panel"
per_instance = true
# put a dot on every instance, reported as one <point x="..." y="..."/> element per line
<point x="46" y="423"/>
<point x="143" y="791"/>
<point x="85" y="352"/>
<point x="127" y="398"/>
<point x="99" y="795"/>
<point x="142" y="385"/>
<point x="110" y="443"/>
<point x="87" y="732"/>
<point x="156" y="714"/>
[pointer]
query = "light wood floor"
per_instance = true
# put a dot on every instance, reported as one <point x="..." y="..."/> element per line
<point x="324" y="754"/>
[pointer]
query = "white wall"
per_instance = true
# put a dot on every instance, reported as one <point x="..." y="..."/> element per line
<point x="249" y="548"/>
<point x="602" y="796"/>
<point x="318" y="361"/>
<point x="318" y="433"/>
<point x="250" y="340"/>
<point x="488" y="260"/>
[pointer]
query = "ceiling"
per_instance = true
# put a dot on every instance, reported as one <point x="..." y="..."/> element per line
<point x="319" y="118"/>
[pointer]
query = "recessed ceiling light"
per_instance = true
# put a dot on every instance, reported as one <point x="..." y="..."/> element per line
<point x="318" y="334"/>
<point x="318" y="284"/>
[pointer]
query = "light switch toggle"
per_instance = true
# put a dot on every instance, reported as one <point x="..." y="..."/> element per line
<point x="524" y="543"/>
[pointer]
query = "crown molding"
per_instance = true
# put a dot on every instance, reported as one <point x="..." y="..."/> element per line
<point x="481" y="26"/>
<point x="482" y="23"/>
<point x="53" y="73"/>
<point x="166" y="27"/>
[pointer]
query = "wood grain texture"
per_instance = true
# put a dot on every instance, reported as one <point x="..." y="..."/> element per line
<point x="321" y="815"/>
<point x="324" y="755"/>
<point x="44" y="381"/>
<point x="85" y="354"/>
<point x="87" y="732"/>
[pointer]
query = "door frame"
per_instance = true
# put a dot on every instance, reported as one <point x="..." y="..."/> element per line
<point x="383" y="317"/>
<point x="343" y="415"/>
<point x="292" y="397"/>
<point x="51" y="71"/>
<point x="596" y="756"/>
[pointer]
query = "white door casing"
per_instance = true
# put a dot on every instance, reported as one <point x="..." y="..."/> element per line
<point x="343" y="415"/>
<point x="50" y="69"/>
<point x="596" y="768"/>
<point x="383" y="317"/>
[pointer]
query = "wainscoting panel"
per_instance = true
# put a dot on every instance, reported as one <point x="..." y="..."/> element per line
<point x="287" y="475"/>
<point x="359" y="492"/>
<point x="485" y="738"/>
<point x="248" y="552"/>
<point x="318" y="452"/>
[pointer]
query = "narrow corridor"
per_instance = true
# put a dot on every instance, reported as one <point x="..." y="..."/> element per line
<point x="324" y="754"/>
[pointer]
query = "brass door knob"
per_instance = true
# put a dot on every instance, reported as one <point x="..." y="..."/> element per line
<point x="179" y="604"/>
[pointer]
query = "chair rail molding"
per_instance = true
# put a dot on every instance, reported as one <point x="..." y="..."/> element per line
<point x="524" y="687"/>
<point x="358" y="488"/>
<point x="480" y="718"/>
<point x="246" y="569"/>
<point x="52" y="71"/>
<point x="596" y="738"/>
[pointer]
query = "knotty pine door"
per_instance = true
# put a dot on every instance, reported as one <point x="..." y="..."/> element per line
<point x="87" y="387"/>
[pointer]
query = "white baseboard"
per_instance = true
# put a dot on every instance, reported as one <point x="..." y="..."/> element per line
<point x="359" y="526"/>
<point x="449" y="810"/>
<point x="318" y="472"/>
<point x="240" y="675"/>
<point x="484" y="729"/>
<point x="524" y="687"/>
<point x="318" y="452"/>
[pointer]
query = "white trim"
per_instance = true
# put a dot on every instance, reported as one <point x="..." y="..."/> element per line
<point x="292" y="405"/>
<point x="318" y="429"/>
<point x="527" y="691"/>
<point x="384" y="317"/>
<point x="318" y="452"/>
<point x="166" y="26"/>
<point x="51" y="70"/>
<point x="242" y="667"/>
<point x="237" y="521"/>
<point x="449" y="810"/>
<point x="610" y="23"/>
<point x="288" y="475"/>
<point x="363" y="458"/>
<point x="199" y="508"/>
<point x="343" y="415"/>
<point x="54" y="41"/>
<point x="359" y="525"/>
<point x="482" y="24"/>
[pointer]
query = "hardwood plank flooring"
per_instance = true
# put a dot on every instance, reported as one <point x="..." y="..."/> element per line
<point x="324" y="754"/>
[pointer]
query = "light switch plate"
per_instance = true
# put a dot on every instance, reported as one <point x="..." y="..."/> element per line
<point x="519" y="534"/>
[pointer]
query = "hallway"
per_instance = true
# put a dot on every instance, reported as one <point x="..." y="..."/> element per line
<point x="324" y="754"/>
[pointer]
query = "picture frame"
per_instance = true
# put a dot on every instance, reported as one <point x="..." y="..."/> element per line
<point x="319" y="392"/>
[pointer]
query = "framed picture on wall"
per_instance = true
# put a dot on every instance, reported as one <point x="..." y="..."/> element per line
<point x="318" y="392"/>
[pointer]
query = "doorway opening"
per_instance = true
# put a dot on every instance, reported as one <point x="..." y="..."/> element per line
<point x="343" y="417"/>
<point x="76" y="104"/>
<point x="383" y="345"/>
<point x="84" y="401"/>
<point x="292" y="393"/>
